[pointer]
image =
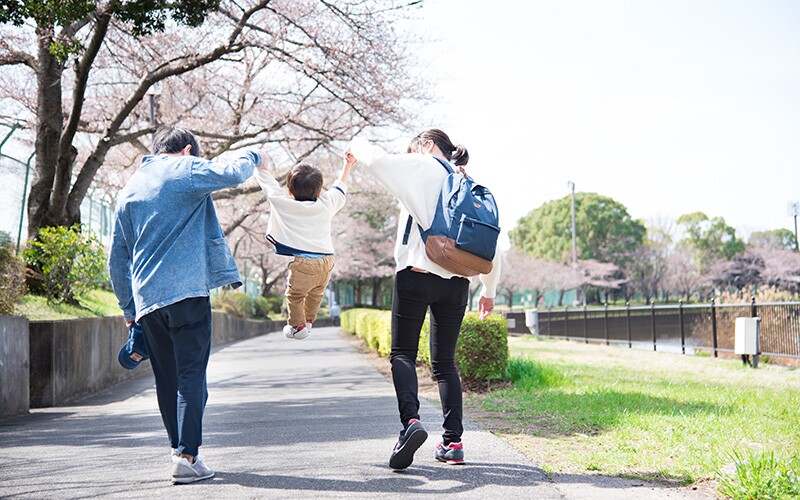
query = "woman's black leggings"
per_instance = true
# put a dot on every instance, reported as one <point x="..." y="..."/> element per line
<point x="414" y="292"/>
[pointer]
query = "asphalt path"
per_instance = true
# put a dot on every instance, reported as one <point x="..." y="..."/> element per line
<point x="285" y="419"/>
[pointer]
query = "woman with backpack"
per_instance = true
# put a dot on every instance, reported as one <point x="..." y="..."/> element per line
<point x="416" y="179"/>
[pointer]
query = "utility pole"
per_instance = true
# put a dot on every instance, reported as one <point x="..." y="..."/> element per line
<point x="794" y="208"/>
<point x="571" y="186"/>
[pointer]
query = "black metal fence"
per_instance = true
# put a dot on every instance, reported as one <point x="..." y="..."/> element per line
<point x="677" y="328"/>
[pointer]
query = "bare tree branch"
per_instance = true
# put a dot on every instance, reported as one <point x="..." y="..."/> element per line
<point x="132" y="136"/>
<point x="94" y="161"/>
<point x="9" y="56"/>
<point x="82" y="69"/>
<point x="238" y="221"/>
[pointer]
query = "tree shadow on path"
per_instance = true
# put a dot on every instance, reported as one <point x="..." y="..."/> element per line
<point x="415" y="480"/>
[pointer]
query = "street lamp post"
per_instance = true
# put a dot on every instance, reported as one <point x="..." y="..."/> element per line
<point x="153" y="92"/>
<point x="571" y="186"/>
<point x="794" y="208"/>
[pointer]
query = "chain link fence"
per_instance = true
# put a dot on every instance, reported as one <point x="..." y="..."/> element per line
<point x="16" y="175"/>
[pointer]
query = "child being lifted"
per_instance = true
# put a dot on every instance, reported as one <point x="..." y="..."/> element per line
<point x="300" y="226"/>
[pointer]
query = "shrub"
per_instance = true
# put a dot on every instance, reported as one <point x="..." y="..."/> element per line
<point x="424" y="352"/>
<point x="69" y="260"/>
<point x="481" y="354"/>
<point x="762" y="294"/>
<point x="234" y="303"/>
<point x="12" y="278"/>
<point x="762" y="476"/>
<point x="275" y="302"/>
<point x="5" y="239"/>
<point x="244" y="306"/>
<point x="264" y="306"/>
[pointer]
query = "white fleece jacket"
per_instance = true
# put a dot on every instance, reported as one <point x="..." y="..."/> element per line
<point x="415" y="180"/>
<point x="301" y="225"/>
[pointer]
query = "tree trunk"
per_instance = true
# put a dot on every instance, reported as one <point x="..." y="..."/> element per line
<point x="265" y="284"/>
<point x="358" y="293"/>
<point x="49" y="125"/>
<point x="376" y="292"/>
<point x="510" y="298"/>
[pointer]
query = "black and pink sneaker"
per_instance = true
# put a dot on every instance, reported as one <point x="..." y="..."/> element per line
<point x="452" y="453"/>
<point x="409" y="442"/>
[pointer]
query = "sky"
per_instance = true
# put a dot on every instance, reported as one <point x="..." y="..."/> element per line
<point x="669" y="107"/>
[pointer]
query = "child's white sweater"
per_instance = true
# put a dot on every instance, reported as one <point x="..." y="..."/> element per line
<point x="301" y="225"/>
<point x="416" y="181"/>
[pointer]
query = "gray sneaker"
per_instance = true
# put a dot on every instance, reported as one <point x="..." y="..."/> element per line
<point x="183" y="472"/>
<point x="411" y="438"/>
<point x="452" y="453"/>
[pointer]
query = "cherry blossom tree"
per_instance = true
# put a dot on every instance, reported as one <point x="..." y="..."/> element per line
<point x="684" y="275"/>
<point x="519" y="272"/>
<point x="646" y="267"/>
<point x="86" y="76"/>
<point x="599" y="275"/>
<point x="364" y="236"/>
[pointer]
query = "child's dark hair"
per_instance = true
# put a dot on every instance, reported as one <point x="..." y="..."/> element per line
<point x="456" y="153"/>
<point x="304" y="182"/>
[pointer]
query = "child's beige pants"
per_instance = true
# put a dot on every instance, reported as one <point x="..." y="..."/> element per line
<point x="307" y="281"/>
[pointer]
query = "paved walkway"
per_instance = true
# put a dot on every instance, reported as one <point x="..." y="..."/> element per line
<point x="285" y="419"/>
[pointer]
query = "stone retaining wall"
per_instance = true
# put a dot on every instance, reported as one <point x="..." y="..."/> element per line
<point x="71" y="359"/>
<point x="14" y="366"/>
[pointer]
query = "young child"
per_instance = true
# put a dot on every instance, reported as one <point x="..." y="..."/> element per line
<point x="300" y="226"/>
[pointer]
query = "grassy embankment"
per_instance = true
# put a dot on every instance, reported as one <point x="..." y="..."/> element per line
<point x="99" y="303"/>
<point x="576" y="408"/>
<point x="94" y="303"/>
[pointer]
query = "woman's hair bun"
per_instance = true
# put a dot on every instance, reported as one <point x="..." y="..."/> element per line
<point x="459" y="156"/>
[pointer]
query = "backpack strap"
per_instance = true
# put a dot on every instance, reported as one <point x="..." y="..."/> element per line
<point x="408" y="230"/>
<point x="410" y="220"/>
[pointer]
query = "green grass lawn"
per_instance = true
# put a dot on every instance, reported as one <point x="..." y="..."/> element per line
<point x="576" y="407"/>
<point x="94" y="303"/>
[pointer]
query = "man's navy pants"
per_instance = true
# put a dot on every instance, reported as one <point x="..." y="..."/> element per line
<point x="178" y="339"/>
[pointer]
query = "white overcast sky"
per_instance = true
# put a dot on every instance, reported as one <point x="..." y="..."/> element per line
<point x="669" y="107"/>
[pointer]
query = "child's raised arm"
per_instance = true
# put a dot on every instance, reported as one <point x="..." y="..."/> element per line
<point x="347" y="164"/>
<point x="271" y="187"/>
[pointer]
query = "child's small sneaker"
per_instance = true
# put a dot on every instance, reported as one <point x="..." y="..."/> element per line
<point x="298" y="332"/>
<point x="452" y="453"/>
<point x="183" y="472"/>
<point x="308" y="327"/>
<point x="409" y="442"/>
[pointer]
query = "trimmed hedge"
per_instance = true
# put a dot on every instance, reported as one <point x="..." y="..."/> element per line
<point x="481" y="354"/>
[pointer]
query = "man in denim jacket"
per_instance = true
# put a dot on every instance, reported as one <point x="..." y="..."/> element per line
<point x="167" y="252"/>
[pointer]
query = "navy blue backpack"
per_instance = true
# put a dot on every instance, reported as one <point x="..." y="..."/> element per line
<point x="463" y="235"/>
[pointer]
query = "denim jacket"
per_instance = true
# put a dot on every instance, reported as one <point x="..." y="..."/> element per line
<point x="167" y="244"/>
